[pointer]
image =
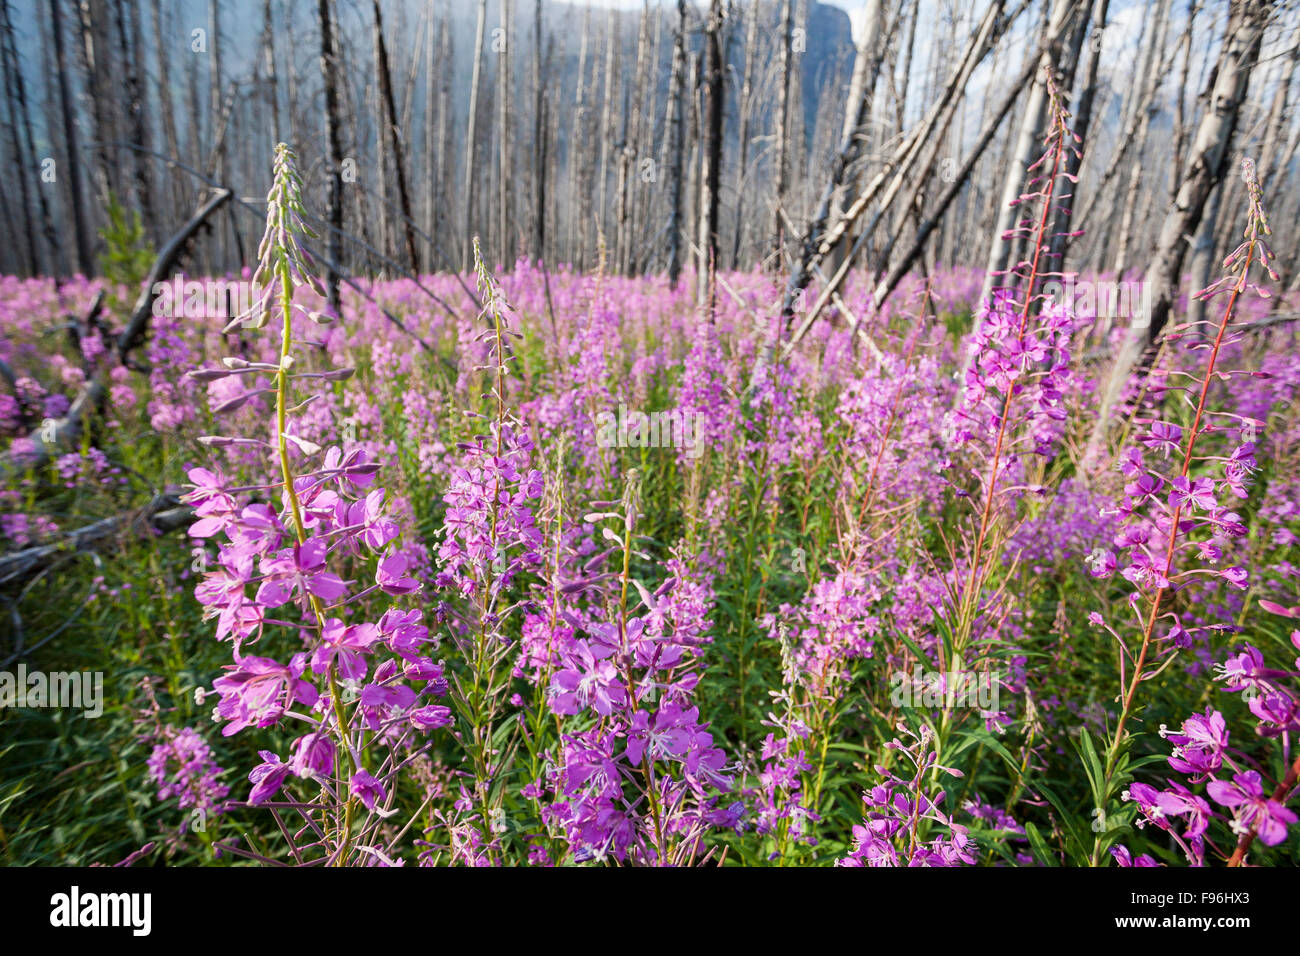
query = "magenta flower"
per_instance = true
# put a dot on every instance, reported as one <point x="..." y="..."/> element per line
<point x="182" y="766"/>
<point x="666" y="733"/>
<point x="214" y="508"/>
<point x="367" y="789"/>
<point x="1124" y="857"/>
<point x="1245" y="670"/>
<point x="590" y="680"/>
<point x="1163" y="438"/>
<point x="431" y="717"/>
<point x="1198" y="493"/>
<point x="345" y="646"/>
<point x="1146" y="486"/>
<point x="350" y="469"/>
<point x="267" y="777"/>
<point x="388" y="575"/>
<point x="1199" y="748"/>
<point x="1252" y="809"/>
<point x="1238" y="577"/>
<point x="1276" y="711"/>
<point x="1178" y="801"/>
<point x="313" y="756"/>
<point x="256" y="691"/>
<point x="296" y="571"/>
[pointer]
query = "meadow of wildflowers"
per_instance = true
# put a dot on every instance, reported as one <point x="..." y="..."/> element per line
<point x="885" y="603"/>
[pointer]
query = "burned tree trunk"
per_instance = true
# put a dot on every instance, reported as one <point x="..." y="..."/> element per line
<point x="16" y="102"/>
<point x="676" y="97"/>
<point x="1205" y="169"/>
<point x="395" y="138"/>
<point x="470" y="138"/>
<point x="744" y="108"/>
<point x="783" y="129"/>
<point x="711" y="151"/>
<point x="1001" y="252"/>
<point x="334" y="199"/>
<point x="1060" y="241"/>
<point x="70" y="138"/>
<point x="504" y="172"/>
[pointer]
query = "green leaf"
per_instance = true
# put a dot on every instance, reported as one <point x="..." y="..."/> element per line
<point x="1038" y="846"/>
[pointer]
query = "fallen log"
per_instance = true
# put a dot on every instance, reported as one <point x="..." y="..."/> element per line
<point x="162" y="514"/>
<point x="64" y="435"/>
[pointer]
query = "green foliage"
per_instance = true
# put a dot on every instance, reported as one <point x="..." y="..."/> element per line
<point x="128" y="254"/>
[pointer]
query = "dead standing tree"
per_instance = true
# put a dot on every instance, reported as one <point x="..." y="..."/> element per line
<point x="471" y="123"/>
<point x="676" y="146"/>
<point x="333" y="133"/>
<point x="824" y="232"/>
<point x="1205" y="169"/>
<point x="1002" y="256"/>
<point x="783" y="129"/>
<point x="70" y="138"/>
<point x="394" y="136"/>
<point x="713" y="93"/>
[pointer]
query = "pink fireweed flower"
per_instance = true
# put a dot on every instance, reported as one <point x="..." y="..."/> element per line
<point x="1252" y="810"/>
<point x="1198" y="493"/>
<point x="256" y="691"/>
<point x="1124" y="857"/>
<point x="298" y="571"/>
<point x="1199" y="747"/>
<point x="590" y="679"/>
<point x="313" y="757"/>
<point x="367" y="789"/>
<point x="344" y="646"/>
<point x="267" y="777"/>
<point x="389" y="575"/>
<point x="1163" y="438"/>
<point x="1178" y="801"/>
<point x="182" y="767"/>
<point x="1242" y="671"/>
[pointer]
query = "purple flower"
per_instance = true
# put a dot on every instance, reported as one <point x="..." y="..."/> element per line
<point x="1146" y="486"/>
<point x="256" y="691"/>
<point x="665" y="733"/>
<point x="431" y="717"/>
<point x="313" y="756"/>
<point x="389" y="577"/>
<point x="1252" y="810"/>
<point x="1238" y="577"/>
<point x="590" y="680"/>
<point x="1200" y="746"/>
<point x="296" y="570"/>
<point x="1276" y="711"/>
<point x="367" y="789"/>
<point x="267" y="777"/>
<point x="182" y="766"/>
<point x="1163" y="438"/>
<point x="1244" y="670"/>
<point x="345" y="646"/>
<point x="1124" y="858"/>
<point x="1199" y="493"/>
<point x="1179" y="801"/>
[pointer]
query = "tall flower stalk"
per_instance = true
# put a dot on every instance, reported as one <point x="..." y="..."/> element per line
<point x="489" y="537"/>
<point x="1015" y="380"/>
<point x="350" y="680"/>
<point x="1163" y="511"/>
